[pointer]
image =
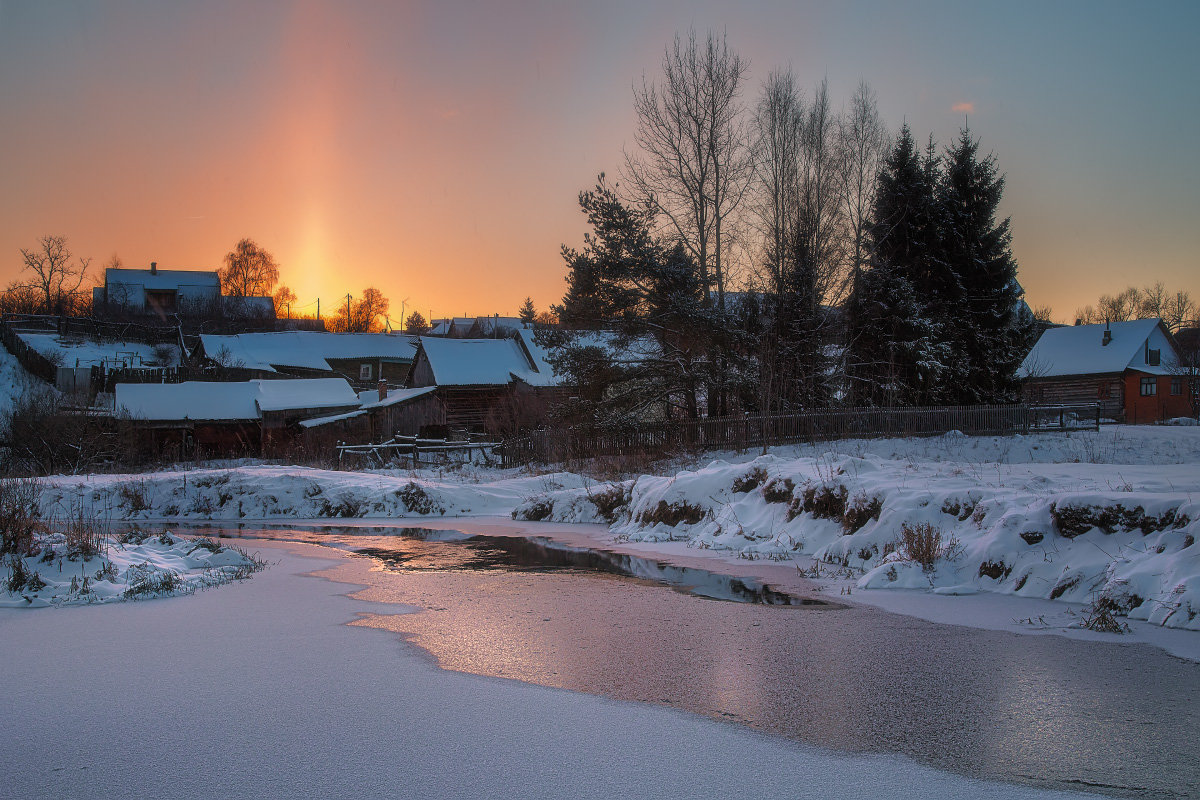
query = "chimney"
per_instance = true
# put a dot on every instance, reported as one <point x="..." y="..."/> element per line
<point x="1107" y="336"/>
<point x="153" y="267"/>
<point x="382" y="390"/>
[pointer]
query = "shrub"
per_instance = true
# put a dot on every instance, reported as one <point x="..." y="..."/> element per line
<point x="1032" y="537"/>
<point x="609" y="501"/>
<point x="133" y="496"/>
<point x="996" y="570"/>
<point x="750" y="481"/>
<point x="921" y="543"/>
<point x="960" y="509"/>
<point x="671" y="514"/>
<point x="779" y="490"/>
<point x="20" y="514"/>
<point x="1074" y="520"/>
<point x="861" y="511"/>
<point x="20" y="578"/>
<point x="146" y="580"/>
<point x="417" y="501"/>
<point x="204" y="543"/>
<point x="85" y="537"/>
<point x="347" y="506"/>
<point x="535" y="510"/>
<point x="1099" y="617"/>
<point x="823" y="502"/>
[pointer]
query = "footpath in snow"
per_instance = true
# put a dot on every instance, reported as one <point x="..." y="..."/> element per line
<point x="1107" y="519"/>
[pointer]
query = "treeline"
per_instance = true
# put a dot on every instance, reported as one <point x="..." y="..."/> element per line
<point x="54" y="281"/>
<point x="786" y="255"/>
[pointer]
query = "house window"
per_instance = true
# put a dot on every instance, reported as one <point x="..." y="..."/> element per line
<point x="1176" y="386"/>
<point x="364" y="372"/>
<point x="1153" y="357"/>
<point x="1149" y="387"/>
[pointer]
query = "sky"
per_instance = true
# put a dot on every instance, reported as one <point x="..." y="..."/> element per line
<point x="436" y="150"/>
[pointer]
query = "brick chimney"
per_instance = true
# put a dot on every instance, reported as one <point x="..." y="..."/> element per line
<point x="153" y="267"/>
<point x="382" y="390"/>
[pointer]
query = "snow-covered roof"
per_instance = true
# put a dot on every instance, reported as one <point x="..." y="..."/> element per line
<point x="85" y="352"/>
<point x="395" y="397"/>
<point x="475" y="362"/>
<point x="163" y="278"/>
<point x="305" y="349"/>
<point x="229" y="401"/>
<point x="1080" y="350"/>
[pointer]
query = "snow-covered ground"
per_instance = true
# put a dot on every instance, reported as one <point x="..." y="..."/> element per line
<point x="262" y="690"/>
<point x="1107" y="519"/>
<point x="103" y="568"/>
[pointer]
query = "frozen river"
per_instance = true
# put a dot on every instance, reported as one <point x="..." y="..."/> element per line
<point x="1045" y="711"/>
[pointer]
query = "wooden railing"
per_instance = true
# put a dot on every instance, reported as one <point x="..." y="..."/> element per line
<point x="739" y="433"/>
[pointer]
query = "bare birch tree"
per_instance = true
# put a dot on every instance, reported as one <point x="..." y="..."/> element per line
<point x="691" y="162"/>
<point x="864" y="143"/>
<point x="777" y="132"/>
<point x="820" y="231"/>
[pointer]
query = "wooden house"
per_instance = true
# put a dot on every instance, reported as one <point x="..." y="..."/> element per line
<point x="204" y="419"/>
<point x="1132" y="369"/>
<point x="362" y="359"/>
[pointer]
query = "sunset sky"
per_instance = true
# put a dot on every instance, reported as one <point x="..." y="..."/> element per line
<point x="435" y="150"/>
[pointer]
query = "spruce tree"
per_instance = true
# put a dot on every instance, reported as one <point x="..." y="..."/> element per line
<point x="527" y="312"/>
<point x="990" y="330"/>
<point x="899" y="310"/>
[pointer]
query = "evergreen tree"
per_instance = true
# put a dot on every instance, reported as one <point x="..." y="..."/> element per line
<point x="899" y="310"/>
<point x="643" y="331"/>
<point x="991" y="333"/>
<point x="527" y="312"/>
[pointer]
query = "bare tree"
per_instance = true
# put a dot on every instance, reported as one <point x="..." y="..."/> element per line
<point x="361" y="315"/>
<point x="821" y="227"/>
<point x="1180" y="311"/>
<point x="55" y="279"/>
<point x="284" y="297"/>
<point x="777" y="133"/>
<point x="249" y="271"/>
<point x="864" y="142"/>
<point x="692" y="165"/>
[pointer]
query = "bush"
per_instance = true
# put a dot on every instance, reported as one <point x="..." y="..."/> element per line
<point x="133" y="496"/>
<point x="146" y="580"/>
<point x="417" y="501"/>
<point x="610" y="501"/>
<point x="1075" y="520"/>
<point x="750" y="481"/>
<point x="535" y="510"/>
<point x="20" y="514"/>
<point x="85" y="536"/>
<point x="21" y="579"/>
<point x="861" y="511"/>
<point x="921" y="543"/>
<point x="996" y="570"/>
<point x="823" y="502"/>
<point x="779" y="491"/>
<point x="671" y="514"/>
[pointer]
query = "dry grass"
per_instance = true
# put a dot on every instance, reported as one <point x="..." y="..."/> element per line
<point x="20" y="514"/>
<point x="921" y="543"/>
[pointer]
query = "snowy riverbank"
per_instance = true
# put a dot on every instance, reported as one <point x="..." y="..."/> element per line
<point x="1107" y="519"/>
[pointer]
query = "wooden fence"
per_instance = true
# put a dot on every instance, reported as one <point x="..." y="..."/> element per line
<point x="740" y="433"/>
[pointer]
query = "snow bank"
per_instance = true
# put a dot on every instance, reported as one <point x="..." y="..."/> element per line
<point x="266" y="492"/>
<point x="134" y="566"/>
<point x="1118" y="536"/>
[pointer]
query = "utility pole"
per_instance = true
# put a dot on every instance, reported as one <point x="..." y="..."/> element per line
<point x="347" y="312"/>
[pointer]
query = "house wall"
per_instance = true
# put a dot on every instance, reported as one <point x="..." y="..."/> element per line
<point x="394" y="371"/>
<point x="1162" y="405"/>
<point x="421" y="374"/>
<point x="1107" y="390"/>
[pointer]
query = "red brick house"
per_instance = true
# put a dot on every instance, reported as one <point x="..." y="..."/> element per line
<point x="1132" y="369"/>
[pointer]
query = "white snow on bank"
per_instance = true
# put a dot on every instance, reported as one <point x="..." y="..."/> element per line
<point x="261" y="690"/>
<point x="1105" y="518"/>
<point x="130" y="567"/>
<point x="1109" y="519"/>
<point x="16" y="383"/>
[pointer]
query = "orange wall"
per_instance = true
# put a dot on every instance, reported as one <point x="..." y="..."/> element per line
<point x="1163" y="405"/>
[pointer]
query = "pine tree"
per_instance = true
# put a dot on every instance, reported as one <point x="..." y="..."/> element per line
<point x="527" y="312"/>
<point x="899" y="310"/>
<point x="644" y="300"/>
<point x="991" y="331"/>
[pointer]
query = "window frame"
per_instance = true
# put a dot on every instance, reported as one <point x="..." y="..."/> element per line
<point x="1149" y="387"/>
